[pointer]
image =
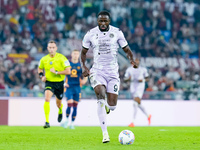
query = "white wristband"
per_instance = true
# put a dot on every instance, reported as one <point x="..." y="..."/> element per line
<point x="56" y="72"/>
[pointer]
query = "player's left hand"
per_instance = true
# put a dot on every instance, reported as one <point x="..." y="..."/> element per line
<point x="140" y="80"/>
<point x="53" y="70"/>
<point x="85" y="71"/>
<point x="134" y="64"/>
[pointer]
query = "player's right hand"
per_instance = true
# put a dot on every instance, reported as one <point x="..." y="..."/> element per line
<point x="43" y="79"/>
<point x="85" y="71"/>
<point x="134" y="64"/>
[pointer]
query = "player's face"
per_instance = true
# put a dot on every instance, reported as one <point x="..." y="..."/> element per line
<point x="137" y="61"/>
<point x="75" y="55"/>
<point x="103" y="22"/>
<point x="52" y="48"/>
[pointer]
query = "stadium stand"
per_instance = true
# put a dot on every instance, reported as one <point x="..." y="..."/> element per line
<point x="164" y="33"/>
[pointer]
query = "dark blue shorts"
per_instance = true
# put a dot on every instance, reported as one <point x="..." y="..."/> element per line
<point x="73" y="92"/>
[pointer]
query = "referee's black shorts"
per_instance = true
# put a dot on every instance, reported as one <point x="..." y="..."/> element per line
<point x="56" y="87"/>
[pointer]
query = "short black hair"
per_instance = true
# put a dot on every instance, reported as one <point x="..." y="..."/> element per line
<point x="52" y="41"/>
<point x="104" y="13"/>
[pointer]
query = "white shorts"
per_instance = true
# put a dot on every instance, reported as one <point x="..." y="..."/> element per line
<point x="109" y="79"/>
<point x="138" y="91"/>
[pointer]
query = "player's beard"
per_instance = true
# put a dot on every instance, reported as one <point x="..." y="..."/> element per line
<point x="103" y="30"/>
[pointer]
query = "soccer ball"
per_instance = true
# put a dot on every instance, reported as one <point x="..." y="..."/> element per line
<point x="126" y="137"/>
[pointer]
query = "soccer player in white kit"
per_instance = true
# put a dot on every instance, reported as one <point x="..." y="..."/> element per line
<point x="137" y="78"/>
<point x="104" y="40"/>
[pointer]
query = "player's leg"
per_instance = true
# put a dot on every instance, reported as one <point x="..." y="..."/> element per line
<point x="48" y="95"/>
<point x="59" y="89"/>
<point x="69" y="98"/>
<point x="135" y="108"/>
<point x="112" y="93"/>
<point x="76" y="97"/>
<point x="142" y="108"/>
<point x="64" y="124"/>
<point x="100" y="92"/>
<point x="139" y="94"/>
<point x="60" y="106"/>
<point x="112" y="100"/>
<point x="99" y="83"/>
<point x="74" y="113"/>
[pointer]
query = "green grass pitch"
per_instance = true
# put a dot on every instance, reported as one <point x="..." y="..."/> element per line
<point x="90" y="138"/>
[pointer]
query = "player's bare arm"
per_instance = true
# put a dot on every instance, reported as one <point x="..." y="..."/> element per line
<point x="83" y="81"/>
<point x="127" y="79"/>
<point x="41" y="75"/>
<point x="146" y="79"/>
<point x="85" y="70"/>
<point x="129" y="54"/>
<point x="64" y="72"/>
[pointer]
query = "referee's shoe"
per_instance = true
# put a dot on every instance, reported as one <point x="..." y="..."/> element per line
<point x="47" y="125"/>
<point x="59" y="117"/>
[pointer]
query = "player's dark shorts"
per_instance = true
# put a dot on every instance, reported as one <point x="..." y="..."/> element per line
<point x="56" y="87"/>
<point x="73" y="92"/>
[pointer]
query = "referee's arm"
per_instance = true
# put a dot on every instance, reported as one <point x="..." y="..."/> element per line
<point x="64" y="72"/>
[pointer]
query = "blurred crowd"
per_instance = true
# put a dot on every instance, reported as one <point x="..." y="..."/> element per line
<point x="153" y="28"/>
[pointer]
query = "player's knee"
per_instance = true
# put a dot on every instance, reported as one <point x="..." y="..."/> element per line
<point x="47" y="99"/>
<point x="100" y="92"/>
<point x="137" y="99"/>
<point x="100" y="95"/>
<point x="75" y="104"/>
<point x="69" y="104"/>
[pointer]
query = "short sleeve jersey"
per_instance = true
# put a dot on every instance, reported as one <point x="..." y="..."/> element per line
<point x="59" y="62"/>
<point x="105" y="46"/>
<point x="136" y="74"/>
<point x="74" y="77"/>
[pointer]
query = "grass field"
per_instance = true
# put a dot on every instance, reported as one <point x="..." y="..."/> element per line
<point x="89" y="138"/>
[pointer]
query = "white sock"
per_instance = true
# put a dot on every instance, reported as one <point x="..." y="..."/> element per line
<point x="72" y="123"/>
<point x="143" y="109"/>
<point x="110" y="107"/>
<point x="135" y="107"/>
<point x="102" y="115"/>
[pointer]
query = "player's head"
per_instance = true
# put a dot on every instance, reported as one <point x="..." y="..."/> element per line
<point x="52" y="48"/>
<point x="103" y="20"/>
<point x="75" y="55"/>
<point x="137" y="60"/>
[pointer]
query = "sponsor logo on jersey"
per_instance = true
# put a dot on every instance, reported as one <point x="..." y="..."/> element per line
<point x="67" y="63"/>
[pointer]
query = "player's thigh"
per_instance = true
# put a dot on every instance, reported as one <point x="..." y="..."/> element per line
<point x="76" y="94"/>
<point x="139" y="92"/>
<point x="48" y="95"/>
<point x="97" y="79"/>
<point x="49" y="90"/>
<point x="69" y="94"/>
<point x="59" y="90"/>
<point x="112" y="99"/>
<point x="100" y="91"/>
<point x="113" y="86"/>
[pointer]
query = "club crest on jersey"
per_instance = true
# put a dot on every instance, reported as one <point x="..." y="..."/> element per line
<point x="111" y="35"/>
<point x="51" y="62"/>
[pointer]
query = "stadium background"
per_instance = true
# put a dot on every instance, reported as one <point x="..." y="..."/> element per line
<point x="164" y="33"/>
